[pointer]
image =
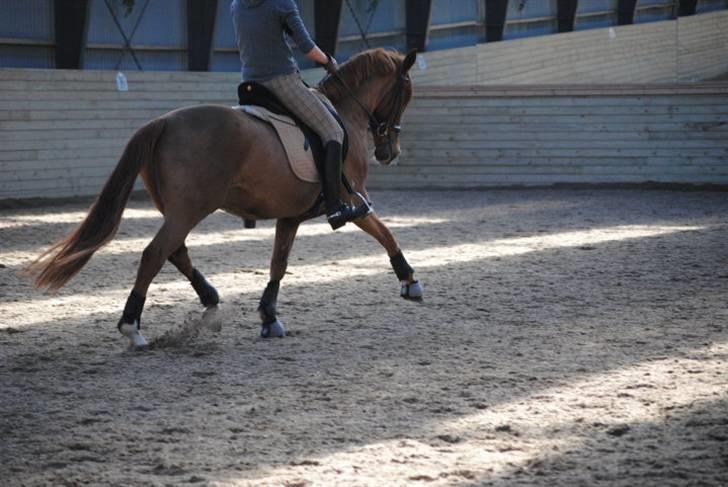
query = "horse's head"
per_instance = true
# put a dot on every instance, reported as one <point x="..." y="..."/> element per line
<point x="387" y="123"/>
<point x="378" y="84"/>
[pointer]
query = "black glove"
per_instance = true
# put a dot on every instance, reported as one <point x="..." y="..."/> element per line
<point x="331" y="66"/>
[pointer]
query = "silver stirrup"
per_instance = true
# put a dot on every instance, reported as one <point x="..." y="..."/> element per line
<point x="366" y="202"/>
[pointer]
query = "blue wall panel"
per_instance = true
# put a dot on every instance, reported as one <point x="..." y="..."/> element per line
<point x="150" y="60"/>
<point x="662" y="10"/>
<point x="607" y="10"/>
<point x="527" y="9"/>
<point x="449" y="11"/>
<point x="464" y="36"/>
<point x="27" y="19"/>
<point x="533" y="18"/>
<point x="388" y="17"/>
<point x="455" y="11"/>
<point x="711" y="5"/>
<point x="161" y="24"/>
<point x="162" y="30"/>
<point x="224" y="36"/>
<point x="27" y="57"/>
<point x="224" y="57"/>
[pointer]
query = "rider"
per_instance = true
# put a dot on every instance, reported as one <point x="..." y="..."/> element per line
<point x="266" y="58"/>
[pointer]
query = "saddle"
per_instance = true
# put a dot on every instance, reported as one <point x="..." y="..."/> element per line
<point x="303" y="146"/>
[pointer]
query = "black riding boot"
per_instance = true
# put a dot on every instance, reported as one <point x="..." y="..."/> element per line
<point x="337" y="212"/>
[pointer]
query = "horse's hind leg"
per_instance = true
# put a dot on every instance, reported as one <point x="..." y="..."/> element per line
<point x="169" y="238"/>
<point x="285" y="235"/>
<point x="205" y="291"/>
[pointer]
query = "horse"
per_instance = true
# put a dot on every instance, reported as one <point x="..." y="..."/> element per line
<point x="196" y="160"/>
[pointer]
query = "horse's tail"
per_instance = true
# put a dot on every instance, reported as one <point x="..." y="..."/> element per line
<point x="66" y="258"/>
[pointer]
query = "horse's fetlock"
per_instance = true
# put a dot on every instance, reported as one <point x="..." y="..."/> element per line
<point x="401" y="268"/>
<point x="268" y="312"/>
<point x="267" y="307"/>
<point x="207" y="293"/>
<point x="133" y="309"/>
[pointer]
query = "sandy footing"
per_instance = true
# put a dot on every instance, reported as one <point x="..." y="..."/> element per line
<point x="566" y="338"/>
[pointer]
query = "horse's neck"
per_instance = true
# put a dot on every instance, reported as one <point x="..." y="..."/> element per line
<point x="356" y="121"/>
<point x="355" y="108"/>
<point x="354" y="116"/>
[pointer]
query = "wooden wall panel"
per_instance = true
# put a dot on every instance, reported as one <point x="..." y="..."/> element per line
<point x="462" y="137"/>
<point x="703" y="46"/>
<point x="62" y="131"/>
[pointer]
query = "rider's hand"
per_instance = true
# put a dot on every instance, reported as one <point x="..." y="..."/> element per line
<point x="331" y="66"/>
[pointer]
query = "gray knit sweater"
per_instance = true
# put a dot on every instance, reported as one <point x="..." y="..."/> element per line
<point x="259" y="29"/>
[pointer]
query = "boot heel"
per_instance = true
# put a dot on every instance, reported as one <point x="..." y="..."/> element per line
<point x="337" y="220"/>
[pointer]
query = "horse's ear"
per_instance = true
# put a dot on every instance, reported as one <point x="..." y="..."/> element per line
<point x="409" y="60"/>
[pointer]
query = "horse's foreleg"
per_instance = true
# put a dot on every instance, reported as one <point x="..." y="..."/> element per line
<point x="410" y="287"/>
<point x="285" y="234"/>
<point x="169" y="238"/>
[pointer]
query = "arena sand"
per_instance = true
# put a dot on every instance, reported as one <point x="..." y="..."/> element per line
<point x="566" y="338"/>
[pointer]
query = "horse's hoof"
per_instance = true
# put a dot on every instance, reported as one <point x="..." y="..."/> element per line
<point x="210" y="320"/>
<point x="273" y="329"/>
<point x="412" y="291"/>
<point x="136" y="339"/>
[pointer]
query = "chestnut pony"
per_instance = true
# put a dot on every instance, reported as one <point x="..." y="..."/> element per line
<point x="196" y="160"/>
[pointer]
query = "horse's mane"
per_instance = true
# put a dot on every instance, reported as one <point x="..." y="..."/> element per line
<point x="358" y="69"/>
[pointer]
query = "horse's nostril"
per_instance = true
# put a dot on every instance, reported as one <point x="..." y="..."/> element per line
<point x="382" y="153"/>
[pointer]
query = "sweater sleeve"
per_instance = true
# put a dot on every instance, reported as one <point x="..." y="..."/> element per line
<point x="291" y="18"/>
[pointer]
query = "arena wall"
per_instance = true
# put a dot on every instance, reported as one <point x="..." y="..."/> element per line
<point x="687" y="49"/>
<point x="61" y="132"/>
<point x="468" y="137"/>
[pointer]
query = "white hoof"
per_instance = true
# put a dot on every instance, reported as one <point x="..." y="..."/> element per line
<point x="136" y="339"/>
<point x="273" y="330"/>
<point x="412" y="291"/>
<point x="210" y="320"/>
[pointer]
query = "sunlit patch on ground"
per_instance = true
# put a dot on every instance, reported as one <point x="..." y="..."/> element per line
<point x="21" y="313"/>
<point x="202" y="238"/>
<point x="535" y="429"/>
<point x="8" y="220"/>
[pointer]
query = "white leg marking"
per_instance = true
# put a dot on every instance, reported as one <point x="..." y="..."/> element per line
<point x="132" y="332"/>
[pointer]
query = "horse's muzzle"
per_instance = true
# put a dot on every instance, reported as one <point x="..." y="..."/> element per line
<point x="384" y="155"/>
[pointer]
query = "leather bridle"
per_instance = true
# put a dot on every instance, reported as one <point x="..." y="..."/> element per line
<point x="391" y="124"/>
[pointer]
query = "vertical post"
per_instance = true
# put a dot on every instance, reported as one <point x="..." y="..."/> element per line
<point x="625" y="12"/>
<point x="687" y="7"/>
<point x="566" y="14"/>
<point x="495" y="19"/>
<point x="418" y="13"/>
<point x="70" y="18"/>
<point x="201" y="16"/>
<point x="327" y="15"/>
